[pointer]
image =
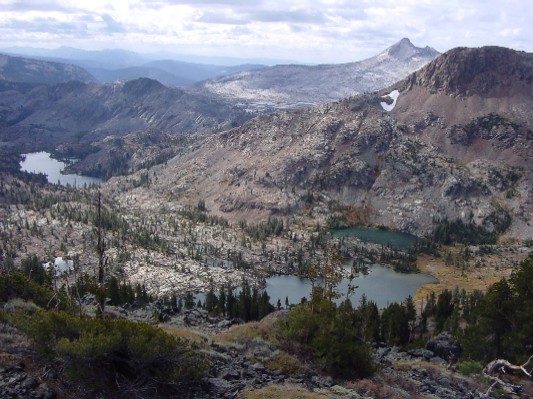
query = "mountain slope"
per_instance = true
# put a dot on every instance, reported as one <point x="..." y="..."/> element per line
<point x="295" y="86"/>
<point x="53" y="115"/>
<point x="412" y="169"/>
<point x="26" y="70"/>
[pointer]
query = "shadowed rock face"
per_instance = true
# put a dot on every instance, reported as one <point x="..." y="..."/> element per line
<point x="434" y="157"/>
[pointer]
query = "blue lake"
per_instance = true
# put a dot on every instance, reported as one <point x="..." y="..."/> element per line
<point x="41" y="162"/>
<point x="381" y="285"/>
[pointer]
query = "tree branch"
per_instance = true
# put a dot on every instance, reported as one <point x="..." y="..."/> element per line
<point x="498" y="367"/>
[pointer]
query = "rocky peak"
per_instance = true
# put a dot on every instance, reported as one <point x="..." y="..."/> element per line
<point x="468" y="71"/>
<point x="404" y="49"/>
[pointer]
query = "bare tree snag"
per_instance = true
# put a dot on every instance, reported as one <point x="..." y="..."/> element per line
<point x="102" y="262"/>
<point x="499" y="367"/>
<point x="502" y="366"/>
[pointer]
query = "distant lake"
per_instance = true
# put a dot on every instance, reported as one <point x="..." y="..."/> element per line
<point x="395" y="239"/>
<point x="41" y="162"/>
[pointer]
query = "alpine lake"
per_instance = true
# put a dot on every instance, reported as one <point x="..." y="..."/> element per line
<point x="42" y="162"/>
<point x="379" y="284"/>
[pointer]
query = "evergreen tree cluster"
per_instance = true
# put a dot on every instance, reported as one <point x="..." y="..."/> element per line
<point x="122" y="293"/>
<point x="259" y="232"/>
<point x="497" y="324"/>
<point x="249" y="304"/>
<point x="449" y="232"/>
<point x="333" y="335"/>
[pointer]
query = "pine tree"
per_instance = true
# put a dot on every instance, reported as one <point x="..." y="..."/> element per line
<point x="221" y="303"/>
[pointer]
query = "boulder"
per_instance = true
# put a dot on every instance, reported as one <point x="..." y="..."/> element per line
<point x="422" y="353"/>
<point x="322" y="382"/>
<point x="444" y="346"/>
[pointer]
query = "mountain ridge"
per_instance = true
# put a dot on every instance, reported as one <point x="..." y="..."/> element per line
<point x="467" y="71"/>
<point x="47" y="116"/>
<point x="27" y="70"/>
<point x="108" y="66"/>
<point x="298" y="86"/>
<point x="408" y="169"/>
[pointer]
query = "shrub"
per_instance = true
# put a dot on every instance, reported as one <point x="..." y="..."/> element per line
<point x="17" y="285"/>
<point x="17" y="304"/>
<point x="102" y="352"/>
<point x="286" y="364"/>
<point x="469" y="367"/>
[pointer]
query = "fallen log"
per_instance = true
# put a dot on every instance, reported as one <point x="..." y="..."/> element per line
<point x="499" y="367"/>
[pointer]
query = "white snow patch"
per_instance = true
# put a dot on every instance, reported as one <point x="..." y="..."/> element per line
<point x="394" y="95"/>
<point x="60" y="265"/>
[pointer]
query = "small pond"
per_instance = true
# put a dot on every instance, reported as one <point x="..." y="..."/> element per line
<point x="41" y="162"/>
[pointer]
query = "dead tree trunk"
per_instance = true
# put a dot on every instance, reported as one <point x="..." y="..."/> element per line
<point x="102" y="261"/>
<point x="496" y="369"/>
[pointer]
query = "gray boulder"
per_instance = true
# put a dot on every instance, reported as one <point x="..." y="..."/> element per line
<point x="421" y="352"/>
<point x="444" y="346"/>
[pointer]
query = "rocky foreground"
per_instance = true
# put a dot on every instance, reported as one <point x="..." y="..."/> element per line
<point x="244" y="364"/>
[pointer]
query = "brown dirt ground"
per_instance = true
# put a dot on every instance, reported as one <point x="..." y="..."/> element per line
<point x="471" y="278"/>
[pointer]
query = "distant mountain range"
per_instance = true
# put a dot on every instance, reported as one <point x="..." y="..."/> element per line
<point x="299" y="86"/>
<point x="111" y="65"/>
<point x="250" y="85"/>
<point x="44" y="103"/>
<point x="169" y="72"/>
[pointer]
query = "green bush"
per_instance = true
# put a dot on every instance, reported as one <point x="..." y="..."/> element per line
<point x="469" y="367"/>
<point x="17" y="285"/>
<point x="100" y="351"/>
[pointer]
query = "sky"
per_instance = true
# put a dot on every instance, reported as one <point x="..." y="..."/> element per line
<point x="309" y="31"/>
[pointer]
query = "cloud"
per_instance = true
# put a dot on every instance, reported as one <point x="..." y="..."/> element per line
<point x="263" y="16"/>
<point x="112" y="25"/>
<point x="307" y="30"/>
<point x="35" y="5"/>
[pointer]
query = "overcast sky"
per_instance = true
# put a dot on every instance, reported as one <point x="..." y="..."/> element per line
<point x="315" y="31"/>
